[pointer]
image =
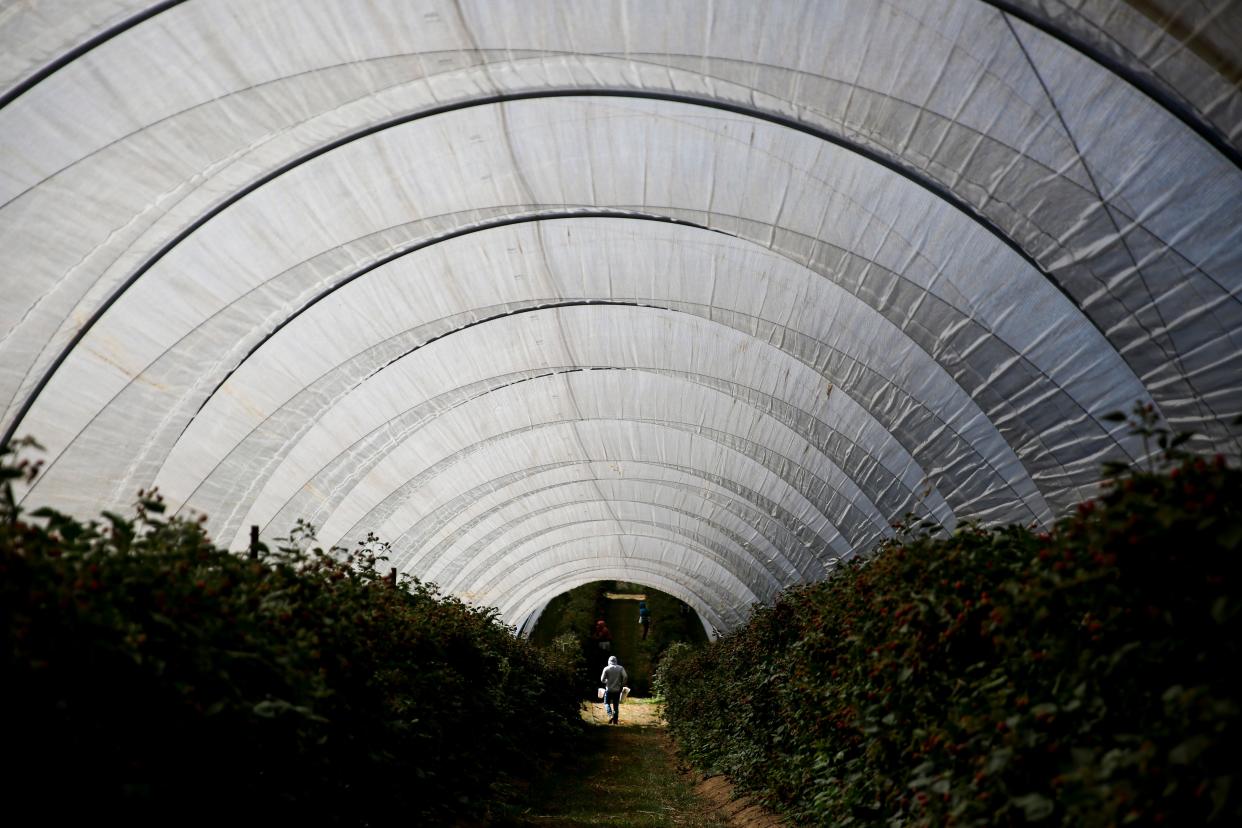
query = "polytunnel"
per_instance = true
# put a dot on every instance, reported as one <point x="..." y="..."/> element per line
<point x="699" y="295"/>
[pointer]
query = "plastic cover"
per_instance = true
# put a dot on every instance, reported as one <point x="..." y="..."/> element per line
<point x="702" y="295"/>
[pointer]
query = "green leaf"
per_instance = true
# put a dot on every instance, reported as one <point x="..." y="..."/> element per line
<point x="1083" y="757"/>
<point x="998" y="760"/>
<point x="1035" y="807"/>
<point x="1223" y="609"/>
<point x="1220" y="796"/>
<point x="1189" y="750"/>
<point x="1231" y="537"/>
<point x="1114" y="759"/>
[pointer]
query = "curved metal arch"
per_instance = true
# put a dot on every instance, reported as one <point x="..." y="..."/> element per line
<point x="715" y="587"/>
<point x="1010" y="354"/>
<point x="773" y="406"/>
<point x="469" y="563"/>
<point x="425" y="557"/>
<point x="49" y="69"/>
<point x="820" y="448"/>
<point x="819" y="484"/>
<point x="1112" y="206"/>
<point x="418" y="480"/>
<point x="1023" y="433"/>
<point x="997" y="4"/>
<point x="753" y="499"/>
<point x="414" y="248"/>
<point x="1187" y="115"/>
<point x="944" y="427"/>
<point x="506" y="587"/>
<point x="1072" y="484"/>
<point x="556" y="215"/>
<point x="745" y="512"/>
<point x="465" y="582"/>
<point x="753" y="112"/>
<point x="536" y="305"/>
<point x="896" y="440"/>
<point x="630" y="61"/>
<point x="982" y="462"/>
<point x="561" y="214"/>
<point x="536" y="217"/>
<point x="738" y="442"/>
<point x="508" y="310"/>
<point x="955" y="123"/>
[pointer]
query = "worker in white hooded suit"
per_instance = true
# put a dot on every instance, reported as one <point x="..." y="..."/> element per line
<point x="613" y="678"/>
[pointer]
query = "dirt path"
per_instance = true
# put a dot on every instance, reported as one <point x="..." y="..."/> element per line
<point x="627" y="775"/>
<point x="622" y="617"/>
<point x="634" y="713"/>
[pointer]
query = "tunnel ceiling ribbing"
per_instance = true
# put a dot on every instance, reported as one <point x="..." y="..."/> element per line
<point x="702" y="295"/>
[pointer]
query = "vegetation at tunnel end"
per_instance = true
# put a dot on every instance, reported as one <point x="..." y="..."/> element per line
<point x="1084" y="676"/>
<point x="149" y="674"/>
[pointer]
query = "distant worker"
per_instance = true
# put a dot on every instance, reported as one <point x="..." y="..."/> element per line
<point x="613" y="679"/>
<point x="644" y="618"/>
<point x="602" y="635"/>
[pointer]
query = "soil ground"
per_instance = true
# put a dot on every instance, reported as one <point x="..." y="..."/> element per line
<point x="628" y="775"/>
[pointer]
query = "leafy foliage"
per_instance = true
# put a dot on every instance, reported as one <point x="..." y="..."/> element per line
<point x="1084" y="676"/>
<point x="158" y="676"/>
<point x="574" y="613"/>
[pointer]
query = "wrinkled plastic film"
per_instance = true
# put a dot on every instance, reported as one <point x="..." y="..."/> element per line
<point x="708" y="294"/>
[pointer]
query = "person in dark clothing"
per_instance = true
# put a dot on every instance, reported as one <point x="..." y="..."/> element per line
<point x="602" y="635"/>
<point x="644" y="618"/>
<point x="601" y="638"/>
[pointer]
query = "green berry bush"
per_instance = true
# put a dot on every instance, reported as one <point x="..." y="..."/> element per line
<point x="150" y="675"/>
<point x="1085" y="676"/>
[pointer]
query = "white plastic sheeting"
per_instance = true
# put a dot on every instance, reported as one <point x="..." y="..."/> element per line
<point x="700" y="295"/>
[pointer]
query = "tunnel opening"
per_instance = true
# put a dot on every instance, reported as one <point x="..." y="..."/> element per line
<point x="571" y="617"/>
